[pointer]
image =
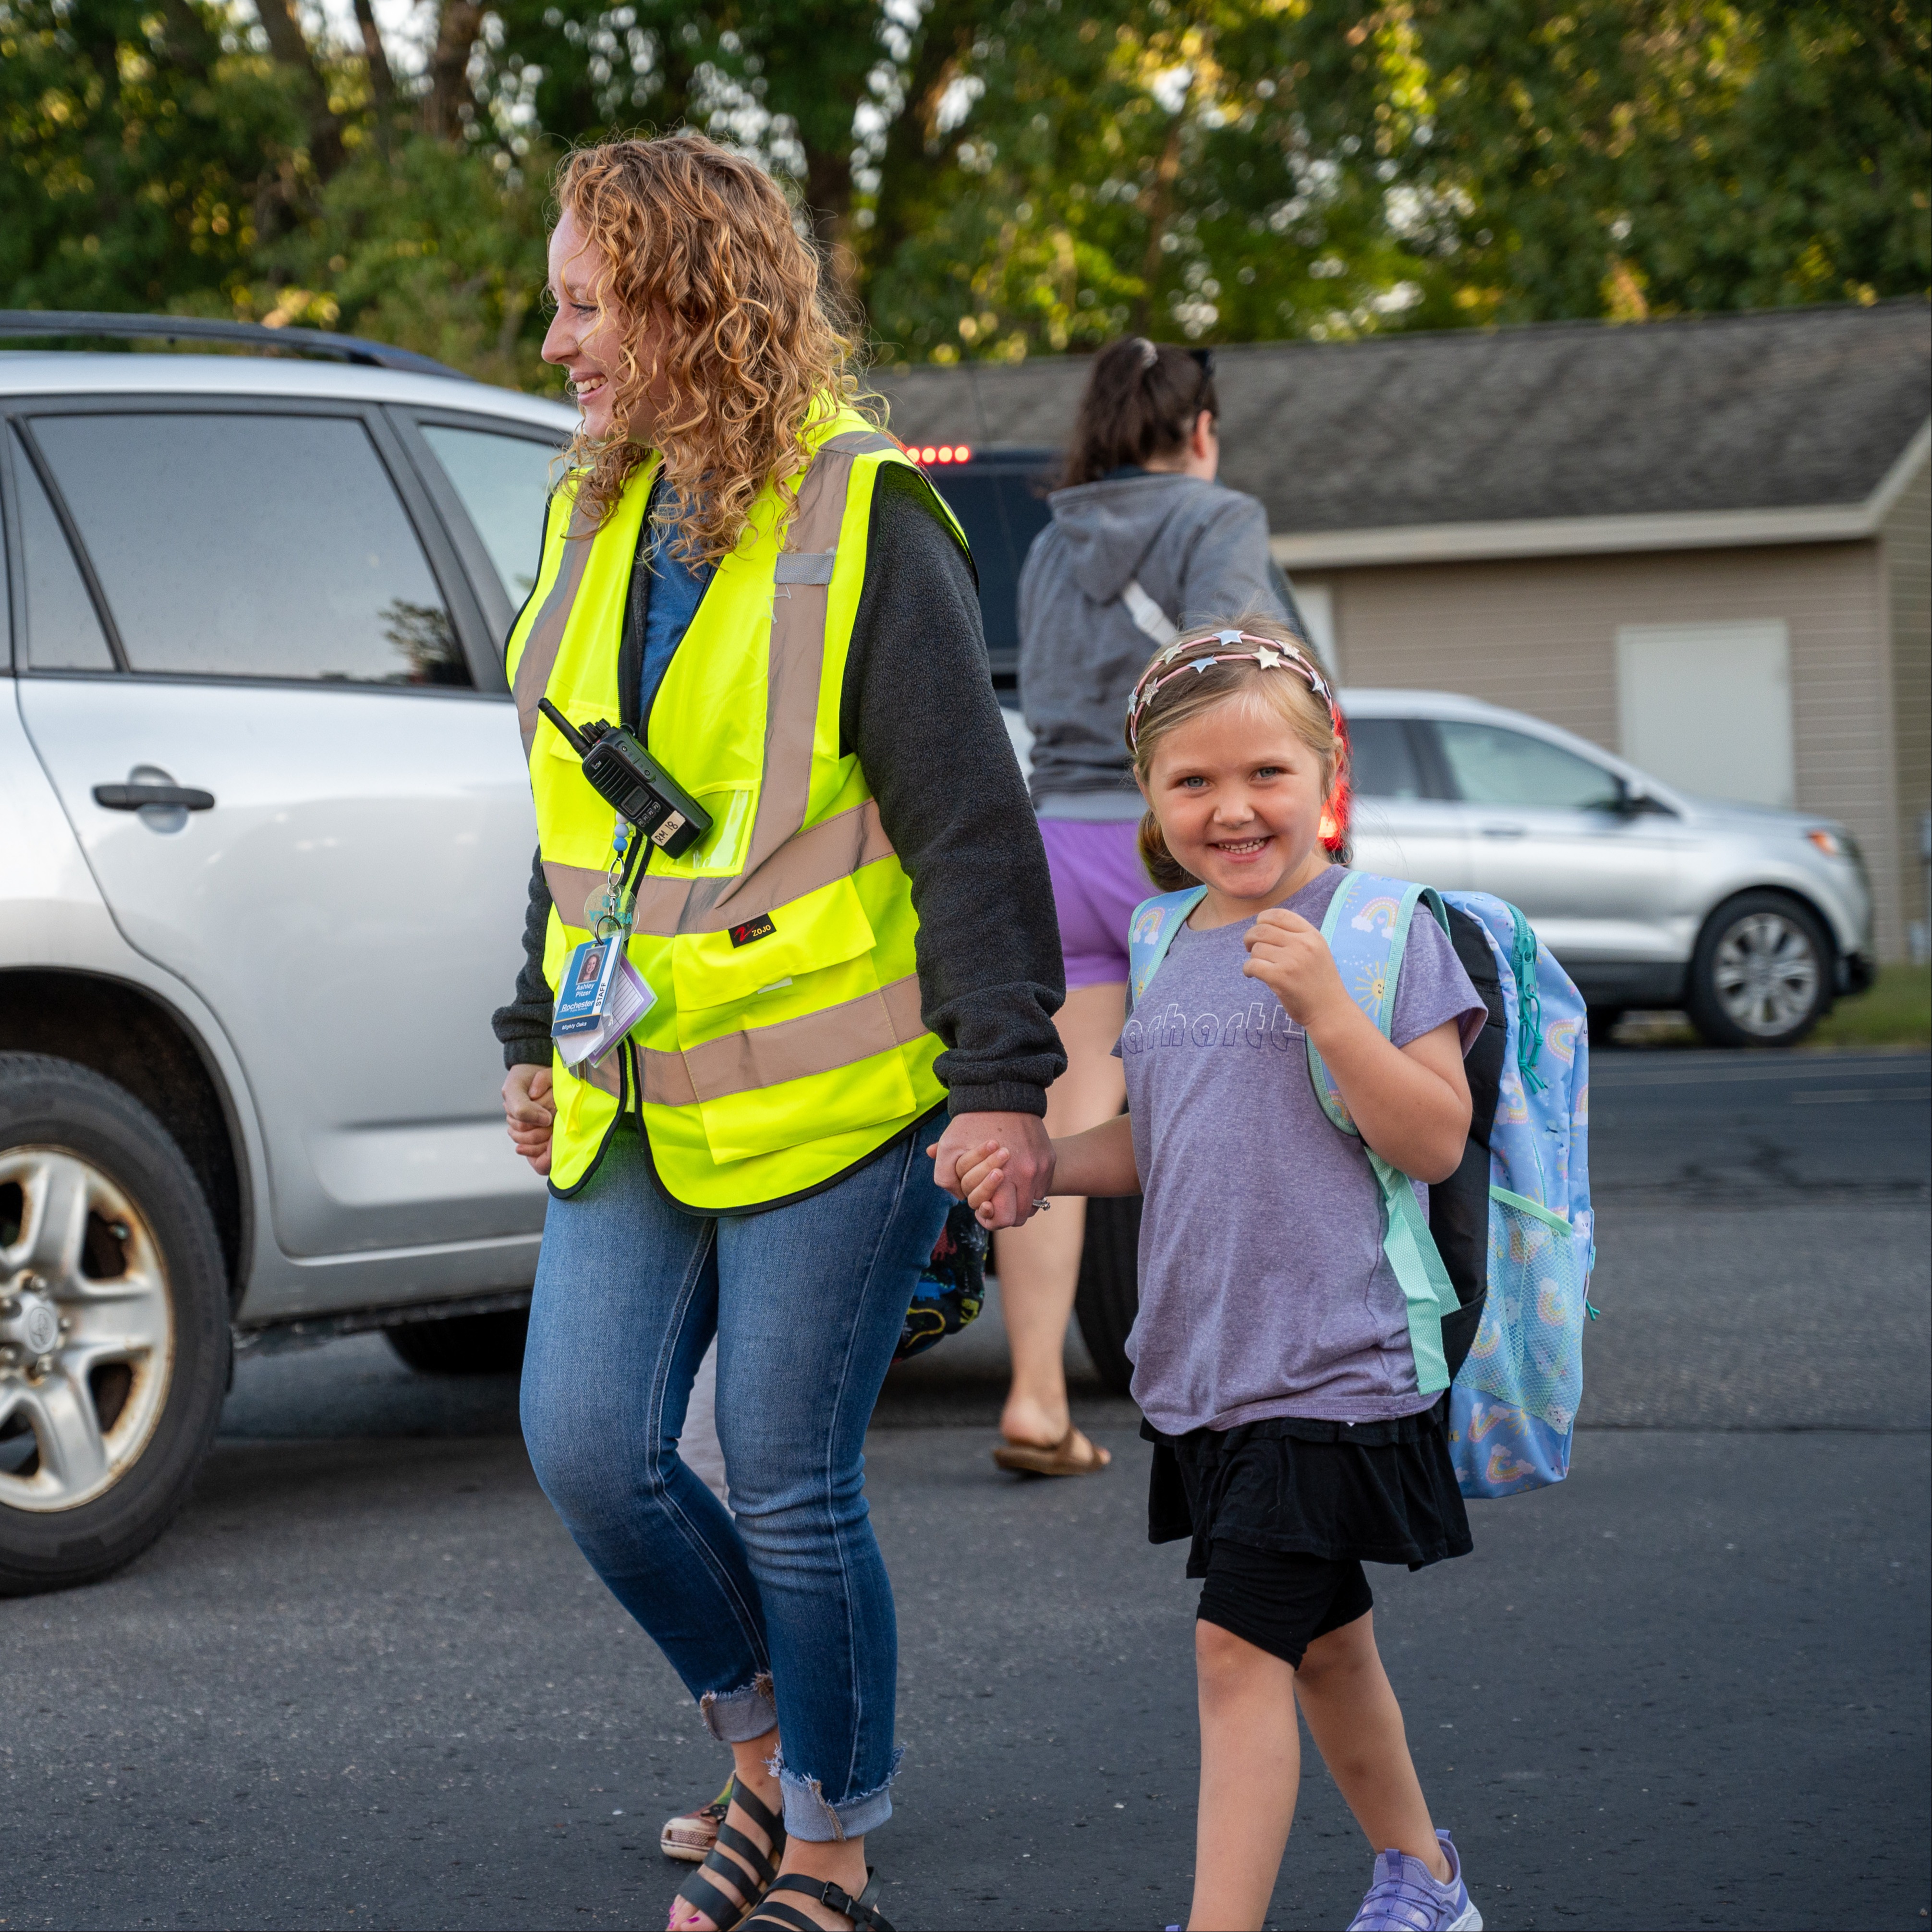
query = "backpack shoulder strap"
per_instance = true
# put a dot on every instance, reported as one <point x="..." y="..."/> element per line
<point x="1366" y="928"/>
<point x="1151" y="932"/>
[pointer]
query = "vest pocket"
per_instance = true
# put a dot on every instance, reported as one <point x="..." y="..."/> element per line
<point x="821" y="1054"/>
<point x="710" y="970"/>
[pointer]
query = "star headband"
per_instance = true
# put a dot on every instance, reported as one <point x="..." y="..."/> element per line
<point x="1223" y="647"/>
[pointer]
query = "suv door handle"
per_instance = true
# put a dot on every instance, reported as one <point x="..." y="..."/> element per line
<point x="132" y="797"/>
<point x="1505" y="832"/>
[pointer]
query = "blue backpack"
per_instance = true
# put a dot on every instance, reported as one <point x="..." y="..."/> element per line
<point x="1496" y="1274"/>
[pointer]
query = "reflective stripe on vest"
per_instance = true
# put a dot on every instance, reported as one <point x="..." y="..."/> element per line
<point x="768" y="1065"/>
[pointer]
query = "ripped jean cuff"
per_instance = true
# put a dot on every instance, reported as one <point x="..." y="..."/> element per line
<point x="737" y="1716"/>
<point x="810" y="1815"/>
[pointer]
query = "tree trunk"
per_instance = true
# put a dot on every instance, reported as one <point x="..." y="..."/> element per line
<point x="945" y="38"/>
<point x="290" y="45"/>
<point x="1160" y="205"/>
<point x="457" y="25"/>
<point x="382" y="79"/>
<point x="828" y="198"/>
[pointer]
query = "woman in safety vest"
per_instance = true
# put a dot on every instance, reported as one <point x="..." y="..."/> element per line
<point x="742" y="573"/>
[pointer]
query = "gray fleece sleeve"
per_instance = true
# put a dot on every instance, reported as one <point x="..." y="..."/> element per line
<point x="522" y="1027"/>
<point x="918" y="709"/>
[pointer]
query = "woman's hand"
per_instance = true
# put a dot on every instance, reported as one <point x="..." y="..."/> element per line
<point x="528" y="1110"/>
<point x="1100" y="1161"/>
<point x="1026" y="1165"/>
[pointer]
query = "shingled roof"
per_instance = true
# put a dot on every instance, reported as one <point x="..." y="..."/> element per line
<point x="1789" y="409"/>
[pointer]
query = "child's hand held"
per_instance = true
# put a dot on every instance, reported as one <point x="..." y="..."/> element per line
<point x="959" y="1182"/>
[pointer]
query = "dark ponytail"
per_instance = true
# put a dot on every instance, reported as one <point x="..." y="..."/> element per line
<point x="1142" y="399"/>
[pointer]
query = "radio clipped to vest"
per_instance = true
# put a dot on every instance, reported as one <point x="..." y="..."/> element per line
<point x="626" y="777"/>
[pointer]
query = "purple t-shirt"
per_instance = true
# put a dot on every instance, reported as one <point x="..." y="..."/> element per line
<point x="1264" y="1290"/>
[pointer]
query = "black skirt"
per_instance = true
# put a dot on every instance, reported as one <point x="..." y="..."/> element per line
<point x="1368" y="1491"/>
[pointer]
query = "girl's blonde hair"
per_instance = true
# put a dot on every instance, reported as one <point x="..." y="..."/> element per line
<point x="702" y="241"/>
<point x="1174" y="701"/>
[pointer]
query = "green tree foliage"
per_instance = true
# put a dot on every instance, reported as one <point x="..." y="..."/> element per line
<point x="990" y="178"/>
<point x="1222" y="170"/>
<point x="430" y="246"/>
<point x="145" y="153"/>
<point x="1626" y="157"/>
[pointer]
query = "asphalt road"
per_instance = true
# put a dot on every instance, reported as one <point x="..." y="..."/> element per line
<point x="367" y="1681"/>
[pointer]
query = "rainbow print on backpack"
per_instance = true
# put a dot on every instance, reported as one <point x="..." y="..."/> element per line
<point x="1515" y="1386"/>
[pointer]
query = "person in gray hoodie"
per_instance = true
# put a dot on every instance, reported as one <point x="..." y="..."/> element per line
<point x="1143" y="542"/>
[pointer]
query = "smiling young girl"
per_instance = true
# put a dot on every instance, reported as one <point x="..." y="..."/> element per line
<point x="1271" y="1354"/>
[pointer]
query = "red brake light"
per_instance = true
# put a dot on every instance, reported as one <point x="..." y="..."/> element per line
<point x="929" y="455"/>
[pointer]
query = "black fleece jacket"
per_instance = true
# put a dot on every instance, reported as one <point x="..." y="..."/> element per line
<point x="919" y="710"/>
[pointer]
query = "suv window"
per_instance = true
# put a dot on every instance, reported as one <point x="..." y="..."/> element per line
<point x="1492" y="765"/>
<point x="1382" y="762"/>
<point x="504" y="482"/>
<point x="253" y="546"/>
<point x="63" y="631"/>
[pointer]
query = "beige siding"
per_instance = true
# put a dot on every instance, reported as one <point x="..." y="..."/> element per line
<point x="1540" y="635"/>
<point x="1908" y="559"/>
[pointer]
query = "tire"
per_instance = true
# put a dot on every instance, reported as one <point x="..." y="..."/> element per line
<point x="1109" y="1294"/>
<point x="108" y="1400"/>
<point x="1762" y="974"/>
<point x="464" y="1345"/>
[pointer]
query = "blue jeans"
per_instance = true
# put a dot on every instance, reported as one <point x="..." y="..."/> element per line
<point x="783" y="1616"/>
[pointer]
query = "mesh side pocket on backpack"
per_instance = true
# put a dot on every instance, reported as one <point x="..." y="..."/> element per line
<point x="1528" y="1352"/>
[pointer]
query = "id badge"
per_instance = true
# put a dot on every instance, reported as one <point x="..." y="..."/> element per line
<point x="631" y="999"/>
<point x="585" y="992"/>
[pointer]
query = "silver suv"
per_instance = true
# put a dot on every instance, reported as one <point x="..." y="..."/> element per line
<point x="1752" y="920"/>
<point x="264" y="832"/>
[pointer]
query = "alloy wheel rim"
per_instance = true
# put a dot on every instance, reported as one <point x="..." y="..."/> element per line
<point x="86" y="1330"/>
<point x="1766" y="974"/>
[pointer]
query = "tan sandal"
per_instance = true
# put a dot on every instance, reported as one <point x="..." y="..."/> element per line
<point x="691" y="1834"/>
<point x="1072" y="1455"/>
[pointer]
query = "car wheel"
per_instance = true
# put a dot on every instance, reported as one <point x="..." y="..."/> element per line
<point x="464" y="1344"/>
<point x="1109" y="1294"/>
<point x="114" y="1339"/>
<point x="1761" y="973"/>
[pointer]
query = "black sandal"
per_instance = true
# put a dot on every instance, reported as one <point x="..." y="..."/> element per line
<point x="753" y="1878"/>
<point x="829" y="1894"/>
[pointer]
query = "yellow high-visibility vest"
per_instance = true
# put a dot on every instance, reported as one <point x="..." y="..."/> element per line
<point x="785" y="1041"/>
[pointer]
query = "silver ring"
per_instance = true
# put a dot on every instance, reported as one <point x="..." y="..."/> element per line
<point x="1042" y="1204"/>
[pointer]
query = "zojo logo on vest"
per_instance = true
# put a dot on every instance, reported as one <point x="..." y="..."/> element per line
<point x="760" y="927"/>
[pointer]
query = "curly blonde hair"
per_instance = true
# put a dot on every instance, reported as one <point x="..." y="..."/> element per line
<point x="702" y="240"/>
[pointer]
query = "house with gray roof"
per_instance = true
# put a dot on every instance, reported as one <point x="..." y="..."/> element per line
<point x="1706" y="544"/>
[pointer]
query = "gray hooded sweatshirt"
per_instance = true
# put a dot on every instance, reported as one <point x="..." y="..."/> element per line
<point x="1198" y="549"/>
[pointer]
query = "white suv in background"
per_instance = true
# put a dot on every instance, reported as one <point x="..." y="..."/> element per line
<point x="1752" y="920"/>
<point x="264" y="834"/>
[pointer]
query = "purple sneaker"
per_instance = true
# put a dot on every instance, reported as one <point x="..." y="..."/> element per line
<point x="1406" y="1896"/>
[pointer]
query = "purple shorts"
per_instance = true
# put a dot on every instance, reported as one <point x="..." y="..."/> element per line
<point x="1097" y="882"/>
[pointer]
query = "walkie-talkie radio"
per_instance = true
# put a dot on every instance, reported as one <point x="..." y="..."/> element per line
<point x="623" y="774"/>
